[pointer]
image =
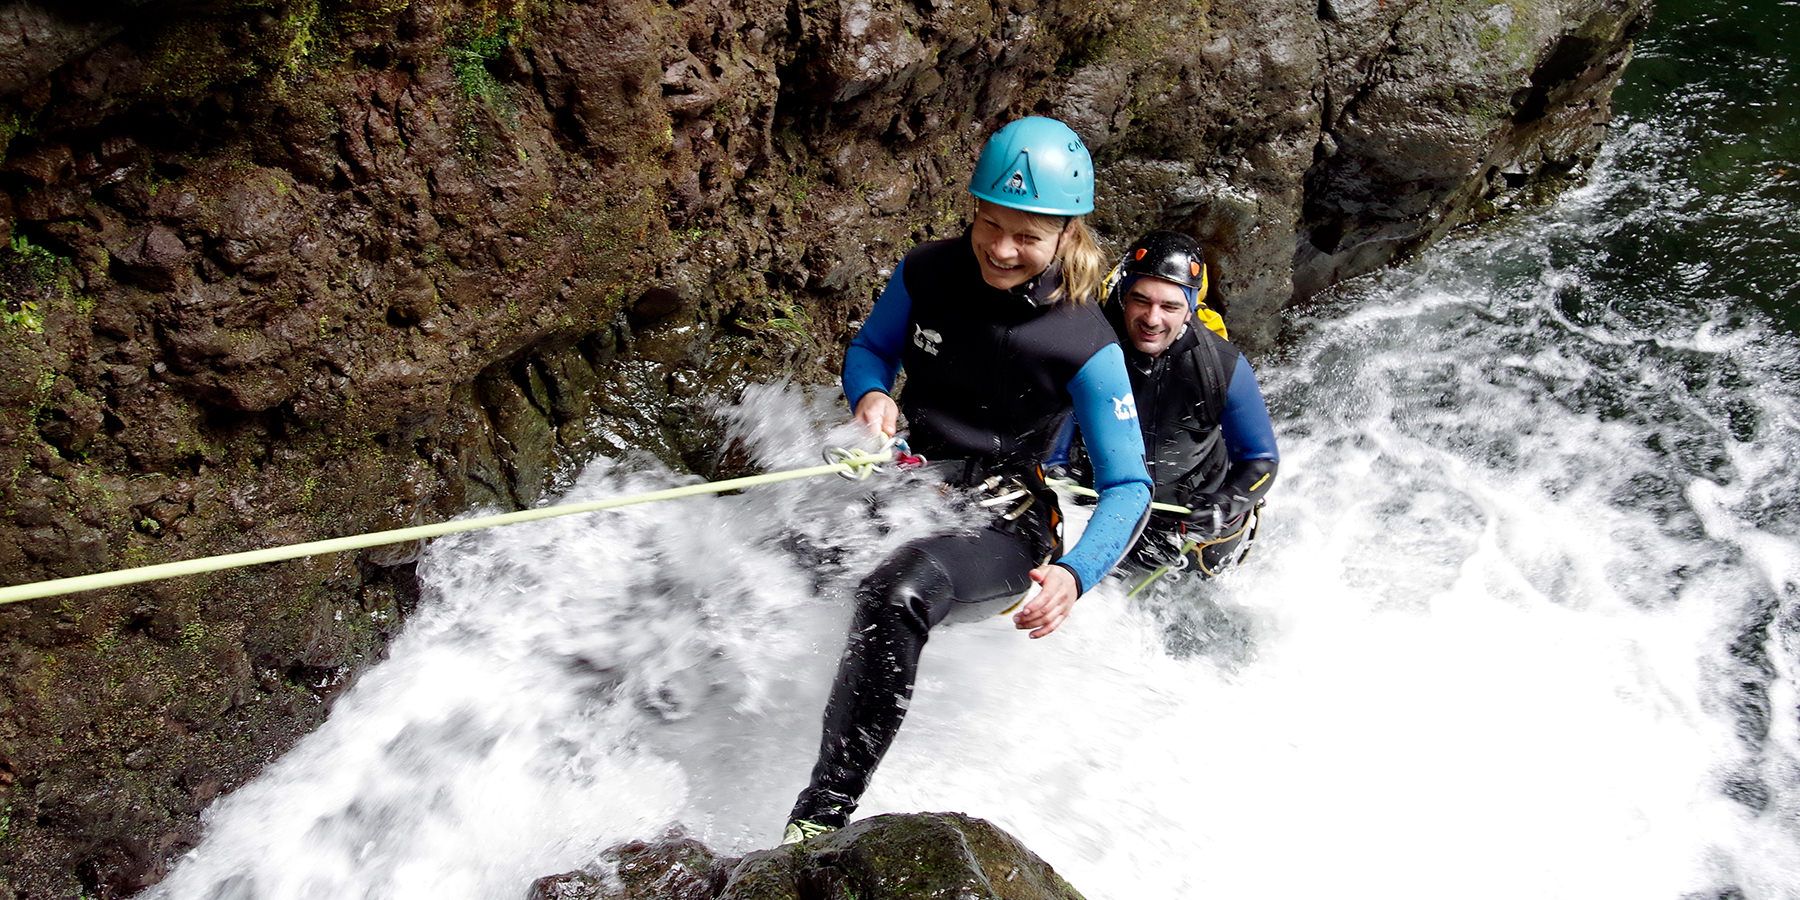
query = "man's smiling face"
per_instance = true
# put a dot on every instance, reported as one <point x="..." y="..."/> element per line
<point x="1155" y="313"/>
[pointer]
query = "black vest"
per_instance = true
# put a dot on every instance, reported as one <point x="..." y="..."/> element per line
<point x="1180" y="401"/>
<point x="988" y="371"/>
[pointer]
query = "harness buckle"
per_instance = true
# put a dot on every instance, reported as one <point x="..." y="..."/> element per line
<point x="1006" y="491"/>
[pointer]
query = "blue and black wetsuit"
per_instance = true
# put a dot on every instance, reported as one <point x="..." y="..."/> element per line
<point x="991" y="375"/>
<point x="1206" y="432"/>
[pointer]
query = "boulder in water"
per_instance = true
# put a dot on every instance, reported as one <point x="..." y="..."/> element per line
<point x="892" y="857"/>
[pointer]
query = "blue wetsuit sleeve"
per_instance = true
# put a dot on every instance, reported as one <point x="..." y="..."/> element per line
<point x="1247" y="430"/>
<point x="873" y="360"/>
<point x="1107" y="415"/>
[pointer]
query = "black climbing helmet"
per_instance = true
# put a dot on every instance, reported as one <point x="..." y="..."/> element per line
<point x="1169" y="255"/>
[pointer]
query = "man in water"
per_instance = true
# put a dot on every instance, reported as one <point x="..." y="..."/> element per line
<point x="1207" y="435"/>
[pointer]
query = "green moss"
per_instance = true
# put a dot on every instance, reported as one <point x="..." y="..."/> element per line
<point x="1512" y="40"/>
<point x="6" y="825"/>
<point x="184" y="63"/>
<point x="190" y="56"/>
<point x="477" y="82"/>
<point x="790" y="319"/>
<point x="23" y="317"/>
<point x="31" y="279"/>
<point x="136" y="555"/>
<point x="366" y="14"/>
<point x="471" y="140"/>
<point x="296" y="35"/>
<point x="154" y="183"/>
<point x="193" y="634"/>
<point x="794" y="320"/>
<point x="10" y="126"/>
<point x="470" y="55"/>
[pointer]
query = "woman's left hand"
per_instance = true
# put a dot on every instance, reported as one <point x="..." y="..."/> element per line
<point x="1057" y="593"/>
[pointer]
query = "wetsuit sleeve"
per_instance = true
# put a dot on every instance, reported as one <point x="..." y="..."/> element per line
<point x="1247" y="430"/>
<point x="1109" y="427"/>
<point x="873" y="360"/>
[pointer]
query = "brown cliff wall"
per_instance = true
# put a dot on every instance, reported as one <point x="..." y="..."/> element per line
<point x="276" y="270"/>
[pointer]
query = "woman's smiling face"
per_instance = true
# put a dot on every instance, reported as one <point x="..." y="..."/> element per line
<point x="1011" y="246"/>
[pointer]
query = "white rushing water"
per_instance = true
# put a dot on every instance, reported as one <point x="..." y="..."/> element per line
<point x="1521" y="625"/>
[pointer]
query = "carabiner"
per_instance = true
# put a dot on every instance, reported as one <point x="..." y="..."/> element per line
<point x="854" y="471"/>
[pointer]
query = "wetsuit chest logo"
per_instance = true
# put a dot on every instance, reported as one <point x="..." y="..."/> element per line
<point x="926" y="339"/>
<point x="1125" y="408"/>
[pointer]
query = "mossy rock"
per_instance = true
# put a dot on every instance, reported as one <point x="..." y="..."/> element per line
<point x="674" y="868"/>
<point x="915" y="856"/>
<point x="901" y="857"/>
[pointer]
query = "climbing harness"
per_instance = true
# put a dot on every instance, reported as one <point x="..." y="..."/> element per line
<point x="838" y="462"/>
<point x="1002" y="491"/>
<point x="1170" y="568"/>
<point x="1174" y="567"/>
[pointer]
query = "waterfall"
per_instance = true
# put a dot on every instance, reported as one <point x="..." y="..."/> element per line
<point x="1522" y="623"/>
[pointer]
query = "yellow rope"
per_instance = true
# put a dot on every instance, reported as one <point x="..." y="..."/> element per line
<point x="1076" y="489"/>
<point x="849" y="463"/>
<point x="1073" y="488"/>
<point x="1185" y="550"/>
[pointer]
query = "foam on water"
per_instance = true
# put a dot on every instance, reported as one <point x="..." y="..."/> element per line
<point x="1521" y="624"/>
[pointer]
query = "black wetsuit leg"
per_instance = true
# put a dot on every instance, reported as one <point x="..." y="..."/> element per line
<point x="911" y="591"/>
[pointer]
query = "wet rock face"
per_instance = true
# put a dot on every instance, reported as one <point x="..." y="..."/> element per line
<point x="892" y="857"/>
<point x="1406" y="154"/>
<point x="277" y="270"/>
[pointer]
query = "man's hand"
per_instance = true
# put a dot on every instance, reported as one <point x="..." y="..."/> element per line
<point x="879" y="412"/>
<point x="1057" y="594"/>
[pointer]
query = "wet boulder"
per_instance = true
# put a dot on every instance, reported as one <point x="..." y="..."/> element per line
<point x="893" y="857"/>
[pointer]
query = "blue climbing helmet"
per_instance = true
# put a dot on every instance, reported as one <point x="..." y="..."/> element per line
<point x="1037" y="165"/>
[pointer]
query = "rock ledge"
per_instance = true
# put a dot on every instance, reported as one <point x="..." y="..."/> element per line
<point x="892" y="857"/>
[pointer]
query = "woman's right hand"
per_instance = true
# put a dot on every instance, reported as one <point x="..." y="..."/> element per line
<point x="879" y="412"/>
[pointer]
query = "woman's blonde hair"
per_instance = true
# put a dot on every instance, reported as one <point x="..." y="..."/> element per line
<point x="1083" y="264"/>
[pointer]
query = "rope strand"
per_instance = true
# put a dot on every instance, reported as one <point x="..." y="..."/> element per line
<point x="846" y="463"/>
